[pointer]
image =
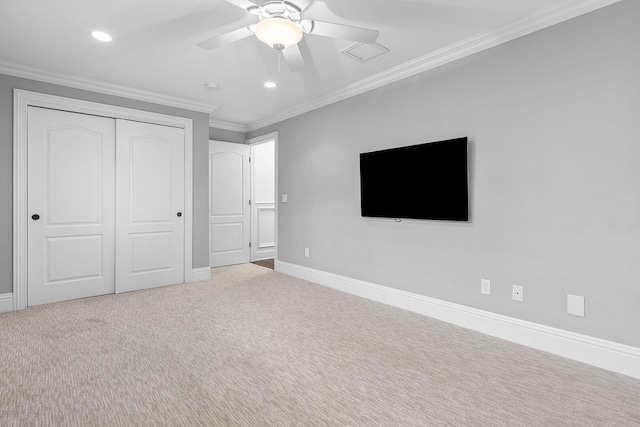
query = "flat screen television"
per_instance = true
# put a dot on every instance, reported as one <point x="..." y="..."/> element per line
<point x="425" y="181"/>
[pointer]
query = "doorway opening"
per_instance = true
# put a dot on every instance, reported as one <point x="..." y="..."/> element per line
<point x="242" y="201"/>
<point x="263" y="196"/>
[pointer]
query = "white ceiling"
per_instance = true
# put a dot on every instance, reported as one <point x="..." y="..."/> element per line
<point x="154" y="47"/>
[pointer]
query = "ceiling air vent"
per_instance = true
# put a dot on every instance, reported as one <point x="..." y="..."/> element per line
<point x="364" y="52"/>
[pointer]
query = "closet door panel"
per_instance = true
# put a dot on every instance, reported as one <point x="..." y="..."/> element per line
<point x="71" y="199"/>
<point x="150" y="205"/>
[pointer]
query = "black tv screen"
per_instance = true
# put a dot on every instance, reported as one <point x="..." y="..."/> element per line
<point x="425" y="181"/>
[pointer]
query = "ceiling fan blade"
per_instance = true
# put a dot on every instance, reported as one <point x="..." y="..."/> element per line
<point x="346" y="32"/>
<point x="244" y="4"/>
<point x="302" y="4"/>
<point x="217" y="41"/>
<point x="293" y="58"/>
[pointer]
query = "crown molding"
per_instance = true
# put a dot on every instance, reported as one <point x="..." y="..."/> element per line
<point x="23" y="71"/>
<point x="521" y="27"/>
<point x="219" y="124"/>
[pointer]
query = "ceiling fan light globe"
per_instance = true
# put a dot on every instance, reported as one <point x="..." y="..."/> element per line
<point x="278" y="32"/>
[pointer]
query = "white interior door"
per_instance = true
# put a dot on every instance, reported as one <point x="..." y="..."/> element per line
<point x="70" y="204"/>
<point x="263" y="207"/>
<point x="150" y="205"/>
<point x="229" y="199"/>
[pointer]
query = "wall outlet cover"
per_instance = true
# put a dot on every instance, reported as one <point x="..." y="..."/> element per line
<point x="517" y="293"/>
<point x="485" y="286"/>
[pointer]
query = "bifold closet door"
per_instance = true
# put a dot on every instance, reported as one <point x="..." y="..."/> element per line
<point x="150" y="205"/>
<point x="71" y="228"/>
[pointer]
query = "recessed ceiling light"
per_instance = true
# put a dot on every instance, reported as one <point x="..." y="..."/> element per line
<point x="211" y="86"/>
<point x="270" y="85"/>
<point x="103" y="37"/>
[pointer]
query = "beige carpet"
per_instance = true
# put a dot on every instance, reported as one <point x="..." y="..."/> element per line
<point x="253" y="347"/>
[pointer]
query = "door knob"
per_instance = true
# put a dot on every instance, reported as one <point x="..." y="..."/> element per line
<point x="35" y="217"/>
<point x="179" y="213"/>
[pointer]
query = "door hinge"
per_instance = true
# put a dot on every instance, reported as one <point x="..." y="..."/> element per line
<point x="249" y="159"/>
<point x="249" y="244"/>
<point x="249" y="202"/>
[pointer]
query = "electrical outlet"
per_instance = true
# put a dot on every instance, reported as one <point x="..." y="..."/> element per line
<point x="517" y="293"/>
<point x="485" y="286"/>
<point x="306" y="252"/>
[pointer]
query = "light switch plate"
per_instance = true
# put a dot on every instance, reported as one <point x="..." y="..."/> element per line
<point x="284" y="198"/>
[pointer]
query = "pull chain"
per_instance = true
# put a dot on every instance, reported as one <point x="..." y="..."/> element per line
<point x="279" y="52"/>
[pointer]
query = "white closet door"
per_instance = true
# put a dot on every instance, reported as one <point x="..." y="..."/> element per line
<point x="229" y="210"/>
<point x="70" y="204"/>
<point x="150" y="205"/>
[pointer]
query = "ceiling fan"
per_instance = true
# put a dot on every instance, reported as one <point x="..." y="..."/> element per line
<point x="281" y="27"/>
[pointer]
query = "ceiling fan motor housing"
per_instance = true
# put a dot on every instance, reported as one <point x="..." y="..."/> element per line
<point x="280" y="26"/>
<point x="277" y="9"/>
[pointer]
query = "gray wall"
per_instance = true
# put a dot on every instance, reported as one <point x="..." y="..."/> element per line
<point x="554" y="120"/>
<point x="227" y="136"/>
<point x="200" y="166"/>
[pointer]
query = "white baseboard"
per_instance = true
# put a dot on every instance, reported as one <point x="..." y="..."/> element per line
<point x="200" y="274"/>
<point x="6" y="302"/>
<point x="197" y="275"/>
<point x="604" y="354"/>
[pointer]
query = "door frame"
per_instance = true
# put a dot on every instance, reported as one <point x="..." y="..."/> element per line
<point x="257" y="140"/>
<point x="23" y="99"/>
